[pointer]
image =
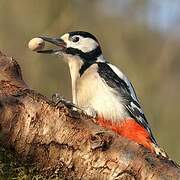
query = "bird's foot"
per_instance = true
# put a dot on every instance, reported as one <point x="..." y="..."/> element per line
<point x="60" y="100"/>
<point x="56" y="97"/>
<point x="85" y="110"/>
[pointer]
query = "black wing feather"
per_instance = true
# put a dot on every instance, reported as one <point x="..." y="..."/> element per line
<point x="132" y="105"/>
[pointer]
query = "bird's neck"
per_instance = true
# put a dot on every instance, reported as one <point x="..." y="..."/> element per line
<point x="74" y="66"/>
<point x="77" y="68"/>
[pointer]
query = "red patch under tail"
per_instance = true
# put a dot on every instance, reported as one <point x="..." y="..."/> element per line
<point x="130" y="129"/>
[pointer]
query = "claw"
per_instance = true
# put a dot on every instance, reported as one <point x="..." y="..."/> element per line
<point x="56" y="97"/>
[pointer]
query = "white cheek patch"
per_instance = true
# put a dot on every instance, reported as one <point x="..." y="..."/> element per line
<point x="84" y="44"/>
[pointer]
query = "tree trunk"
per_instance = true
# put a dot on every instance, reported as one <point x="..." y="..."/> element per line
<point x="60" y="138"/>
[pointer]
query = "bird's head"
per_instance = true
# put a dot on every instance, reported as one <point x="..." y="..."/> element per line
<point x="78" y="45"/>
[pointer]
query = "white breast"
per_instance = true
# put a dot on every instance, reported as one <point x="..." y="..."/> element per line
<point x="93" y="92"/>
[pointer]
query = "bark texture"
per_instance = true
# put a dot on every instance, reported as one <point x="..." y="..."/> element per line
<point x="59" y="138"/>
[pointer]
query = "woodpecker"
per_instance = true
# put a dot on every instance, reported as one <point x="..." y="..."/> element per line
<point x="101" y="89"/>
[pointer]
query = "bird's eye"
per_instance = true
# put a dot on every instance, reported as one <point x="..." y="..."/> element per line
<point x="75" y="39"/>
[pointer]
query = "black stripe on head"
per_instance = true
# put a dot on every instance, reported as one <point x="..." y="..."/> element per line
<point x="83" y="34"/>
<point x="88" y="58"/>
<point x="85" y="56"/>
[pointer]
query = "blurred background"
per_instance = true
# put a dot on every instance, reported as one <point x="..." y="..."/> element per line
<point x="142" y="37"/>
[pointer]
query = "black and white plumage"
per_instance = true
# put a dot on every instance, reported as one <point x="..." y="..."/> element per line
<point x="117" y="80"/>
<point x="100" y="86"/>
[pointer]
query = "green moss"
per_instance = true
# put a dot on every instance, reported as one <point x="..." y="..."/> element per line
<point x="13" y="169"/>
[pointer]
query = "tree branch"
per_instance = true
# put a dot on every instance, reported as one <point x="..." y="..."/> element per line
<point x="58" y="138"/>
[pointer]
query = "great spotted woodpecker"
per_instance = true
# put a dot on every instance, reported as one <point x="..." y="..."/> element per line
<point x="102" y="89"/>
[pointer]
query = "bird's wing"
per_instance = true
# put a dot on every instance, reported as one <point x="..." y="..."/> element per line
<point x="118" y="81"/>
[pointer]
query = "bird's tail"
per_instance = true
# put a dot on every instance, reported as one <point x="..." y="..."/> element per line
<point x="160" y="152"/>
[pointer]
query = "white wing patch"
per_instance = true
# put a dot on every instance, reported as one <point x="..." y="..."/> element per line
<point x="125" y="79"/>
<point x="134" y="106"/>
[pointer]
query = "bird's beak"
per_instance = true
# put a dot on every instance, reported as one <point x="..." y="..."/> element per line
<point x="61" y="45"/>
